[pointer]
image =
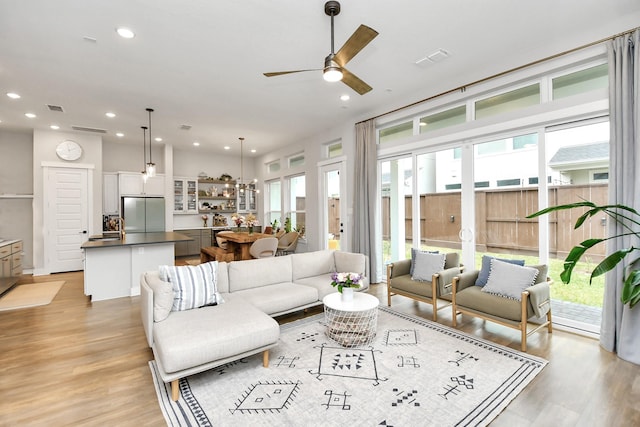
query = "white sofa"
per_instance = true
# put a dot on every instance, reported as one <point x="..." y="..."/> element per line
<point x="187" y="342"/>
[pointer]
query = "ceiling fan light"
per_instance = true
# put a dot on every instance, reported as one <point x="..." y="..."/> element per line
<point x="332" y="74"/>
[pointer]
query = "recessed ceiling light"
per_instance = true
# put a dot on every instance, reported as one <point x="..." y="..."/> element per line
<point x="345" y="97"/>
<point x="13" y="95"/>
<point x="119" y="134"/>
<point x="253" y="150"/>
<point x="110" y="115"/>
<point x="196" y="143"/>
<point x="125" y="33"/>
<point x="158" y="139"/>
<point x="423" y="123"/>
<point x="226" y="147"/>
<point x="30" y="115"/>
<point x="54" y="127"/>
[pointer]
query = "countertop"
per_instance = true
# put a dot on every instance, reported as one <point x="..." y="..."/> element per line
<point x="132" y="239"/>
<point x="217" y="227"/>
<point x="8" y="242"/>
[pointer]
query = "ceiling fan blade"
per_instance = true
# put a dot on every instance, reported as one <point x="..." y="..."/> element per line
<point x="358" y="40"/>
<point x="280" y="73"/>
<point x="354" y="82"/>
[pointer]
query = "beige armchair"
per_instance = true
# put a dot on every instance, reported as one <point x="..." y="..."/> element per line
<point x="399" y="282"/>
<point x="288" y="242"/>
<point x="467" y="298"/>
<point x="264" y="248"/>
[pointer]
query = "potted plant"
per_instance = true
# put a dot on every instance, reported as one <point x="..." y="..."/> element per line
<point x="346" y="283"/>
<point x="629" y="219"/>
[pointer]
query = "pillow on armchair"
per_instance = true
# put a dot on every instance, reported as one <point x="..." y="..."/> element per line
<point x="415" y="251"/>
<point x="509" y="280"/>
<point x="486" y="268"/>
<point x="427" y="265"/>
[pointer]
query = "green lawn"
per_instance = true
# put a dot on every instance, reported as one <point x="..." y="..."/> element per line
<point x="578" y="291"/>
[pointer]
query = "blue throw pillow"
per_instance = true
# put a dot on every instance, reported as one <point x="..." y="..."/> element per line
<point x="413" y="258"/>
<point x="486" y="268"/>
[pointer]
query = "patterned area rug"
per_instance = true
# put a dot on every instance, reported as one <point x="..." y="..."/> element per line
<point x="415" y="372"/>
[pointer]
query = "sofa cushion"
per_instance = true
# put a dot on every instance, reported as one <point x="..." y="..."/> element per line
<point x="194" y="286"/>
<point x="279" y="297"/>
<point x="308" y="264"/>
<point x="258" y="272"/>
<point x="427" y="265"/>
<point x="192" y="338"/>
<point x="349" y="261"/>
<point x="509" y="280"/>
<point x="406" y="284"/>
<point x="321" y="283"/>
<point x="162" y="295"/>
<point x="222" y="282"/>
<point x="486" y="268"/>
<point x="490" y="304"/>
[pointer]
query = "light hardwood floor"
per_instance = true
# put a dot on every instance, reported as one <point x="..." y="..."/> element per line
<point x="74" y="362"/>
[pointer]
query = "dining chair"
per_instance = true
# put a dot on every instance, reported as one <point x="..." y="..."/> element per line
<point x="264" y="248"/>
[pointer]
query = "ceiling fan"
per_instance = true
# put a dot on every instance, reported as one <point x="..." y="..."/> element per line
<point x="334" y="63"/>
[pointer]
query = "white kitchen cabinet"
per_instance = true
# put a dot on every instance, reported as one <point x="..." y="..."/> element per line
<point x="185" y="195"/>
<point x="110" y="195"/>
<point x="132" y="184"/>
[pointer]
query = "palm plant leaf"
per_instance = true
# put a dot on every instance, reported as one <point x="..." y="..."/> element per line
<point x="631" y="288"/>
<point x="627" y="218"/>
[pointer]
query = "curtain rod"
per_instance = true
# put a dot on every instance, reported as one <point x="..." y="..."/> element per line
<point x="484" y="79"/>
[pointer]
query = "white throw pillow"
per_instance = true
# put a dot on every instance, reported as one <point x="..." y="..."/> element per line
<point x="194" y="286"/>
<point x="162" y="296"/>
<point x="509" y="280"/>
<point x="427" y="265"/>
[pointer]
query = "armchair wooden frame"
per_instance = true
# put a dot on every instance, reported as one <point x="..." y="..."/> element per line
<point x="521" y="325"/>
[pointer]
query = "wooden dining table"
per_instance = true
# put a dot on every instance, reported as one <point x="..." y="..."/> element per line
<point x="239" y="243"/>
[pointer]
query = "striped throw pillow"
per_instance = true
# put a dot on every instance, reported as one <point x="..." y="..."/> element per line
<point x="194" y="286"/>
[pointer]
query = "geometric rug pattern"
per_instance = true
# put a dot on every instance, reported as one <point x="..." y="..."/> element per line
<point x="414" y="373"/>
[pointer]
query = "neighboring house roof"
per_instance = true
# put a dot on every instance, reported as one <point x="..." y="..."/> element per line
<point x="579" y="156"/>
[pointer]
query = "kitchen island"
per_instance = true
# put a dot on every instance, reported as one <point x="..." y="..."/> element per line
<point x="112" y="267"/>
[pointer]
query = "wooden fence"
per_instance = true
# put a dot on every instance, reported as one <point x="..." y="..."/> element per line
<point x="501" y="223"/>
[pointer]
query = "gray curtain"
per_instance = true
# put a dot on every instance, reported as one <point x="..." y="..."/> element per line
<point x="364" y="206"/>
<point x="620" y="330"/>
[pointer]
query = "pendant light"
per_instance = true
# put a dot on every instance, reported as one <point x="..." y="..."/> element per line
<point x="151" y="167"/>
<point x="240" y="185"/>
<point x="144" y="153"/>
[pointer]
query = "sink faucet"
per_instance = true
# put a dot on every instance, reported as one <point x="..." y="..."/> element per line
<point x="121" y="227"/>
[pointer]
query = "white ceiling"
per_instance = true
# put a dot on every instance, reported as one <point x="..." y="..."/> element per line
<point x="200" y="62"/>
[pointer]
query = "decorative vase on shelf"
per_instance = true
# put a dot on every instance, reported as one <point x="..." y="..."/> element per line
<point x="347" y="294"/>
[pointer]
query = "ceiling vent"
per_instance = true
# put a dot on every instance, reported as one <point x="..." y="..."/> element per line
<point x="55" y="108"/>
<point x="86" y="129"/>
<point x="185" y="127"/>
<point x="436" y="56"/>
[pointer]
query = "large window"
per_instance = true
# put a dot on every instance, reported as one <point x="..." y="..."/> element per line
<point x="296" y="203"/>
<point x="273" y="198"/>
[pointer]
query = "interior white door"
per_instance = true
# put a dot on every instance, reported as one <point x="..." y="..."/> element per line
<point x="66" y="218"/>
<point x="334" y="206"/>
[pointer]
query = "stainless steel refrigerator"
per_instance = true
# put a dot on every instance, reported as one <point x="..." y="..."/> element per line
<point x="143" y="214"/>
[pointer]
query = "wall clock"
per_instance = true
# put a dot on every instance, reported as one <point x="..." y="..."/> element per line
<point x="69" y="150"/>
